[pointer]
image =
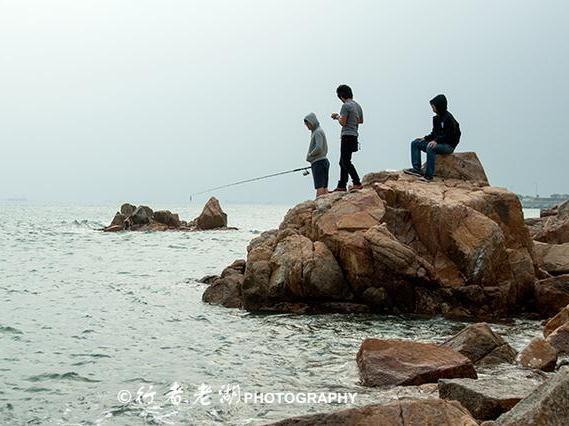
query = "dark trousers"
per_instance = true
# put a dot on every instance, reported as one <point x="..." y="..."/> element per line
<point x="348" y="146"/>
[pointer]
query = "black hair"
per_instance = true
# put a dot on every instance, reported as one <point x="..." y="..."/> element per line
<point x="344" y="91"/>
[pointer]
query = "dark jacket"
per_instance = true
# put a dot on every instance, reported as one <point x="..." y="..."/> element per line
<point x="445" y="128"/>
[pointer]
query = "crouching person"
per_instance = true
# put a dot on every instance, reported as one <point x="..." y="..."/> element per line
<point x="442" y="140"/>
<point x="317" y="151"/>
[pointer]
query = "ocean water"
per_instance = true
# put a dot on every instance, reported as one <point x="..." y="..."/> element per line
<point x="99" y="328"/>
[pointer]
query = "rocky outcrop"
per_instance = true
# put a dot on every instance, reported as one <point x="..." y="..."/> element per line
<point x="557" y="321"/>
<point x="552" y="295"/>
<point x="399" y="413"/>
<point x="225" y="290"/>
<point x="212" y="216"/>
<point x="553" y="258"/>
<point x="553" y="228"/>
<point x="487" y="398"/>
<point x="143" y="218"/>
<point x="559" y="338"/>
<point x="539" y="354"/>
<point x="449" y="247"/>
<point x="399" y="362"/>
<point x="461" y="166"/>
<point x="481" y="345"/>
<point x="546" y="405"/>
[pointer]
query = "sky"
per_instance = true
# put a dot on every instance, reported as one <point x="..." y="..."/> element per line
<point x="151" y="101"/>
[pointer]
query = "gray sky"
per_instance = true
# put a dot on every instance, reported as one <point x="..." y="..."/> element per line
<point x="138" y="100"/>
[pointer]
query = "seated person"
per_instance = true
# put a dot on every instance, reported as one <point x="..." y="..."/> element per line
<point x="442" y="140"/>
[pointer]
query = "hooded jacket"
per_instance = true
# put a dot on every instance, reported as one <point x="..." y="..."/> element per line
<point x="318" y="148"/>
<point x="445" y="128"/>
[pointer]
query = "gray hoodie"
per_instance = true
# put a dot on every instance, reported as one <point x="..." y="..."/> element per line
<point x="318" y="145"/>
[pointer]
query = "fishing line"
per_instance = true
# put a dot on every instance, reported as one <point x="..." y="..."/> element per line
<point x="241" y="182"/>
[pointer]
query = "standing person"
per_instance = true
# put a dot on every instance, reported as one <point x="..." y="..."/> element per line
<point x="350" y="117"/>
<point x="442" y="140"/>
<point x="316" y="156"/>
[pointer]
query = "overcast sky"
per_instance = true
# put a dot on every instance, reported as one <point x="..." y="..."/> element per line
<point x="138" y="100"/>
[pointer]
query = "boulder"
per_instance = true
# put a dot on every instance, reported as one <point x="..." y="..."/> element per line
<point x="399" y="413"/>
<point x="461" y="166"/>
<point x="552" y="295"/>
<point x="554" y="258"/>
<point x="487" y="398"/>
<point x="142" y="215"/>
<point x="225" y="291"/>
<point x="548" y="404"/>
<point x="119" y="220"/>
<point x="559" y="338"/>
<point x="539" y="354"/>
<point x="481" y="345"/>
<point x="399" y="362"/>
<point x="127" y="209"/>
<point x="557" y="321"/>
<point x="166" y="217"/>
<point x="553" y="229"/>
<point x="212" y="216"/>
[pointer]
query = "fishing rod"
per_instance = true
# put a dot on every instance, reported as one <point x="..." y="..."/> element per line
<point x="304" y="169"/>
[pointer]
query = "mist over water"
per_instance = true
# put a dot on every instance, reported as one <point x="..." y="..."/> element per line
<point x="85" y="315"/>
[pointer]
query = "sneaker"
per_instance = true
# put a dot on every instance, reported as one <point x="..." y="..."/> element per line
<point x="338" y="189"/>
<point x="355" y="187"/>
<point x="426" y="178"/>
<point x="413" y="171"/>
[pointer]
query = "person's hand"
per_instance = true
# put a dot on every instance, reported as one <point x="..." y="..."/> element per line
<point x="335" y="116"/>
<point x="432" y="144"/>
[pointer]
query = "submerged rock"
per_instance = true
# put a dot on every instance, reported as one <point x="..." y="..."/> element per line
<point x="399" y="362"/>
<point x="399" y="413"/>
<point x="546" y="405"/>
<point x="487" y="398"/>
<point x="143" y="218"/>
<point x="539" y="354"/>
<point x="481" y="345"/>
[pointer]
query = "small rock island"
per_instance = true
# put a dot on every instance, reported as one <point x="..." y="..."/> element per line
<point x="143" y="218"/>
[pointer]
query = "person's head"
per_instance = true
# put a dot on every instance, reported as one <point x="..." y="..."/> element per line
<point x="311" y="122"/>
<point x="344" y="92"/>
<point x="439" y="104"/>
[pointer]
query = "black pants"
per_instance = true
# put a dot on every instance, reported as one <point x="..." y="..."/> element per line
<point x="348" y="146"/>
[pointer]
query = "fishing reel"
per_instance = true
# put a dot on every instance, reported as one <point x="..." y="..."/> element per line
<point x="305" y="173"/>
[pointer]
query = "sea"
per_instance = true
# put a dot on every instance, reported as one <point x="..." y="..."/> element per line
<point x="110" y="328"/>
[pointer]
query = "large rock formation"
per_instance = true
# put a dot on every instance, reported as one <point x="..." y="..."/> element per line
<point x="400" y="362"/>
<point x="487" y="398"/>
<point x="546" y="405"/>
<point x="481" y="345"/>
<point x="143" y="218"/>
<point x="399" y="413"/>
<point x="452" y="247"/>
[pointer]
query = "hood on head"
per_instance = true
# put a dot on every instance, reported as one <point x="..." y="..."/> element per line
<point x="440" y="103"/>
<point x="311" y="118"/>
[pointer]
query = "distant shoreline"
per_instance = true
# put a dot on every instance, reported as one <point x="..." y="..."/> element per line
<point x="529" y="202"/>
